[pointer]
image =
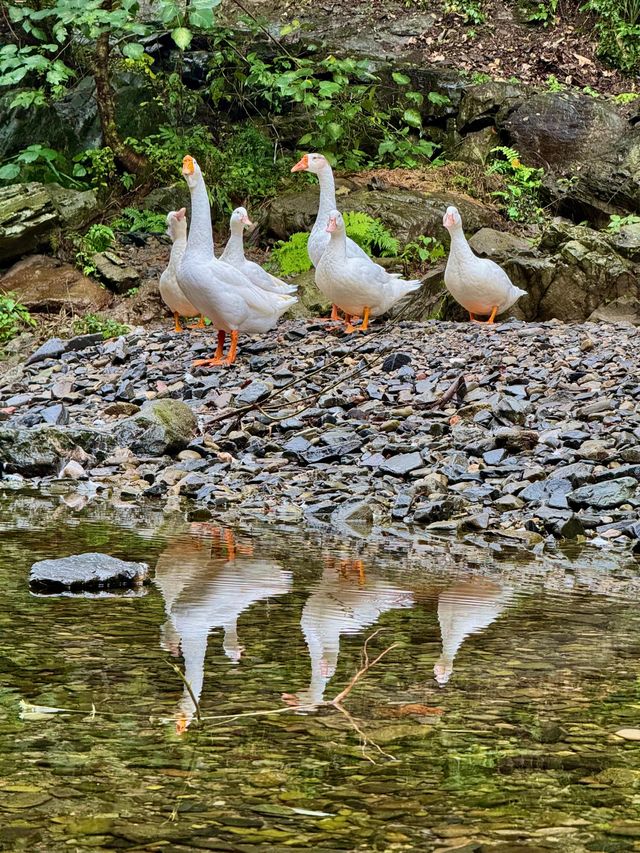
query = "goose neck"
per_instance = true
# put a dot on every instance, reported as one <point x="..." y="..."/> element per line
<point x="200" y="233"/>
<point x="327" y="201"/>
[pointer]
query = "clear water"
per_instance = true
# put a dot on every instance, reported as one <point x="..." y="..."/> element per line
<point x="489" y="726"/>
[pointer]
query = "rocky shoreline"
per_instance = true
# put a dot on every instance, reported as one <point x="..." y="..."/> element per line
<point x="529" y="431"/>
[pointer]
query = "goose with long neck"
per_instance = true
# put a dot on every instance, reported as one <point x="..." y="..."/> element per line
<point x="358" y="286"/>
<point x="234" y="256"/>
<point x="170" y="291"/>
<point x="317" y="164"/>
<point x="466" y="608"/>
<point x="217" y="600"/>
<point x="478" y="284"/>
<point x="219" y="291"/>
<point x="340" y="604"/>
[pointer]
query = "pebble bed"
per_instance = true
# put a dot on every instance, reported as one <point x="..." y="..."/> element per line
<point x="532" y="430"/>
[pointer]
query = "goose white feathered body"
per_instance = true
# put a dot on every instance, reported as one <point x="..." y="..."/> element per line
<point x="463" y="609"/>
<point x="354" y="283"/>
<point x="478" y="284"/>
<point x="223" y="294"/>
<point x="234" y="256"/>
<point x="170" y="290"/>
<point x="338" y="606"/>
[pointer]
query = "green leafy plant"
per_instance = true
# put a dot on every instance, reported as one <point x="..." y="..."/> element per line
<point x="544" y="13"/>
<point x="469" y="10"/>
<point x="521" y="198"/>
<point x="425" y="250"/>
<point x="93" y="324"/>
<point x="370" y="234"/>
<point x="13" y="317"/>
<point x="146" y="221"/>
<point x="479" y="77"/>
<point x="588" y="90"/>
<point x="554" y="85"/>
<point x="290" y="257"/>
<point x="98" y="238"/>
<point x="617" y="222"/>
<point x="38" y="162"/>
<point x="617" y="25"/>
<point x="336" y="99"/>
<point x="626" y="97"/>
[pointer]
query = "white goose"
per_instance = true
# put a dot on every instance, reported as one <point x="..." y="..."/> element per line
<point x="318" y="165"/>
<point x="217" y="600"/>
<point x="478" y="284"/>
<point x="220" y="292"/>
<point x="358" y="286"/>
<point x="234" y="256"/>
<point x="463" y="609"/>
<point x="340" y="604"/>
<point x="170" y="291"/>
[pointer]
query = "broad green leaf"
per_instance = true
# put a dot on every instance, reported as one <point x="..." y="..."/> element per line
<point x="202" y="19"/>
<point x="182" y="37"/>
<point x="413" y="118"/>
<point x="400" y="79"/>
<point x="9" y="172"/>
<point x="132" y="50"/>
<point x="334" y="130"/>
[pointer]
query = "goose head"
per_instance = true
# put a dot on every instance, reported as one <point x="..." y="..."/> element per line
<point x="240" y="217"/>
<point x="452" y="218"/>
<point x="335" y="222"/>
<point x="442" y="671"/>
<point x="177" y="223"/>
<point x="313" y="163"/>
<point x="191" y="172"/>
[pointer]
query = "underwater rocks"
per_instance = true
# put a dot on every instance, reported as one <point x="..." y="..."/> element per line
<point x="85" y="571"/>
<point x="521" y="430"/>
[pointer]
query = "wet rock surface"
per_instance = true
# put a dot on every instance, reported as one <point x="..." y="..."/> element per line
<point x="85" y="571"/>
<point x="526" y="430"/>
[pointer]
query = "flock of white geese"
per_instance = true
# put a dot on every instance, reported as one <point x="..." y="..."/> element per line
<point x="208" y="582"/>
<point x="239" y="296"/>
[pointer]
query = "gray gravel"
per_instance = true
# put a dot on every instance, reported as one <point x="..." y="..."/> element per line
<point x="532" y="430"/>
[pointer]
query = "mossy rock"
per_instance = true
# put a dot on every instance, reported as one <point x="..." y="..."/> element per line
<point x="161" y="426"/>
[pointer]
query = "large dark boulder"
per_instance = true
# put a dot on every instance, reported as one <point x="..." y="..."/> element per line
<point x="588" y="148"/>
<point x="408" y="215"/>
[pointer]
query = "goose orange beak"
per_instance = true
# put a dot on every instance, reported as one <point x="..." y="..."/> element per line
<point x="448" y="220"/>
<point x="331" y="227"/>
<point x="180" y="214"/>
<point x="302" y="164"/>
<point x="188" y="165"/>
<point x="246" y="221"/>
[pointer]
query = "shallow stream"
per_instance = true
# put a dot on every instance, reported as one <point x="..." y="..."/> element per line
<point x="490" y="724"/>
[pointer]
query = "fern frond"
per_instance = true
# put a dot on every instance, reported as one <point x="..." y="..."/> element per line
<point x="291" y="256"/>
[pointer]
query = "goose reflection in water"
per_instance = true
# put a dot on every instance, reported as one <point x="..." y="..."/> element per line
<point x="344" y="601"/>
<point x="208" y="581"/>
<point x="463" y="609"/>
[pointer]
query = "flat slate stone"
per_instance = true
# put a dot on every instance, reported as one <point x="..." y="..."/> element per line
<point x="85" y="571"/>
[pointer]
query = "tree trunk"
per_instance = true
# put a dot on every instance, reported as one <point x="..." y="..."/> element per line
<point x="128" y="159"/>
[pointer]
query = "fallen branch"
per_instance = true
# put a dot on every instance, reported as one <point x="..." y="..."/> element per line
<point x="457" y="389"/>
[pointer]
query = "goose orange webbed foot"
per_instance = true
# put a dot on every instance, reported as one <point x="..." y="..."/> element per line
<point x="199" y="325"/>
<point x="208" y="362"/>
